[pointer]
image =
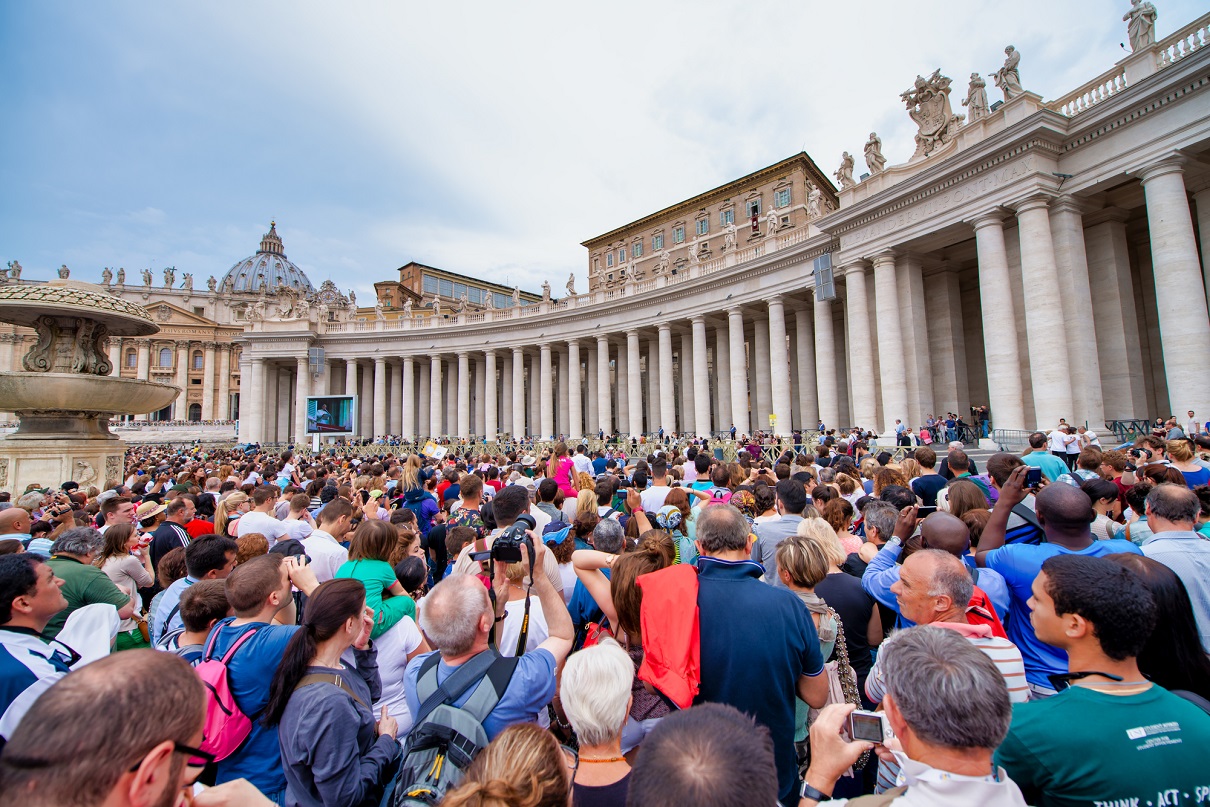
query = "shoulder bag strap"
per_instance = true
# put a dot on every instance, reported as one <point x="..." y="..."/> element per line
<point x="1028" y="515"/>
<point x="334" y="679"/>
<point x="491" y="689"/>
<point x="460" y="681"/>
<point x="880" y="799"/>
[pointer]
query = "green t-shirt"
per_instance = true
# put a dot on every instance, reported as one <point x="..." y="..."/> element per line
<point x="82" y="585"/>
<point x="378" y="576"/>
<point x="1084" y="748"/>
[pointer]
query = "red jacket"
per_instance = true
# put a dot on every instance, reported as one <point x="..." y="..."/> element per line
<point x="672" y="658"/>
<point x="980" y="611"/>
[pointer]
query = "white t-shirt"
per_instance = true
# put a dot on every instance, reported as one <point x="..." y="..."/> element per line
<point x="326" y="553"/>
<point x="393" y="649"/>
<point x="265" y="524"/>
<point x="510" y="629"/>
<point x="653" y="498"/>
<point x="298" y="528"/>
<point x="1057" y="441"/>
<point x="568" y="572"/>
<point x="582" y="464"/>
<point x="1092" y="438"/>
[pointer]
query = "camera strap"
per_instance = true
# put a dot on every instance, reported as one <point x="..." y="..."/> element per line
<point x="523" y="636"/>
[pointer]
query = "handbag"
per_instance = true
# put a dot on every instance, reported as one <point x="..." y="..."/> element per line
<point x="842" y="683"/>
<point x="141" y="621"/>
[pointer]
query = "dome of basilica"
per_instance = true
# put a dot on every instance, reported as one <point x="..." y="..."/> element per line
<point x="267" y="269"/>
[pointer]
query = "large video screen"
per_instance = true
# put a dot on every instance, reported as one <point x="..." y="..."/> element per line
<point x="332" y="414"/>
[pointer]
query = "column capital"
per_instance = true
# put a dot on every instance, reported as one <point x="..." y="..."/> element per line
<point x="987" y="218"/>
<point x="853" y="268"/>
<point x="380" y="360"/>
<point x="462" y="354"/>
<point x="1171" y="164"/>
<point x="664" y="327"/>
<point x="882" y="258"/>
<point x="301" y="360"/>
<point x="774" y="299"/>
<point x="602" y="339"/>
<point x="1066" y="203"/>
<point x="1033" y="202"/>
<point x="519" y="351"/>
<point x="736" y="310"/>
<point x="182" y="344"/>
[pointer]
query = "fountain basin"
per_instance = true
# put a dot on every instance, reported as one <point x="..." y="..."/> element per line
<point x="44" y="393"/>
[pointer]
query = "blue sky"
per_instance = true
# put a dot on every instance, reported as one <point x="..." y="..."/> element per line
<point x="484" y="138"/>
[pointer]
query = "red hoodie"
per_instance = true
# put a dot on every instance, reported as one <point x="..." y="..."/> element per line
<point x="672" y="658"/>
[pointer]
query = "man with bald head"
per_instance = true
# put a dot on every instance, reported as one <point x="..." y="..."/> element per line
<point x="1065" y="513"/>
<point x="944" y="532"/>
<point x="14" y="523"/>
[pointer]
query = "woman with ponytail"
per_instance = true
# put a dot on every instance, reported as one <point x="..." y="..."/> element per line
<point x="523" y="767"/>
<point x="334" y="752"/>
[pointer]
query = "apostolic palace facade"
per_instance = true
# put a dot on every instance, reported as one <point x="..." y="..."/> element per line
<point x="1048" y="258"/>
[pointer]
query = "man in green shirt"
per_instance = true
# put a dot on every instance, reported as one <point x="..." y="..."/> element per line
<point x="83" y="584"/>
<point x="1110" y="736"/>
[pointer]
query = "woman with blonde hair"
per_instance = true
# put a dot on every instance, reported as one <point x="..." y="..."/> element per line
<point x="857" y="610"/>
<point x="228" y="512"/>
<point x="523" y="767"/>
<point x="1180" y="454"/>
<point x="909" y="468"/>
<point x="584" y="503"/>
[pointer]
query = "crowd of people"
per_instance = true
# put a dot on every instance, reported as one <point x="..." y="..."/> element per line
<point x="595" y="628"/>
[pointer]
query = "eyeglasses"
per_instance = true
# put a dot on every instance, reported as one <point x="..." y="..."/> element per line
<point x="197" y="757"/>
<point x="572" y="757"/>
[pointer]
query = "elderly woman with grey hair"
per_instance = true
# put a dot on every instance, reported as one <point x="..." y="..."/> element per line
<point x="595" y="691"/>
<point x="72" y="557"/>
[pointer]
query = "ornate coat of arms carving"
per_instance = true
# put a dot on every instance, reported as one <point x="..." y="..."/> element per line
<point x="928" y="104"/>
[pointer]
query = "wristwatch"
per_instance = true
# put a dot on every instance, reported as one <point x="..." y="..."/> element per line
<point x="808" y="792"/>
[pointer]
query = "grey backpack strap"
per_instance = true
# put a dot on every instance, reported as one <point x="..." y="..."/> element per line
<point x="491" y="689"/>
<point x="458" y="682"/>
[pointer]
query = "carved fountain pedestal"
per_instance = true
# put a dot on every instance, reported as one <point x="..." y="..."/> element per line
<point x="66" y="395"/>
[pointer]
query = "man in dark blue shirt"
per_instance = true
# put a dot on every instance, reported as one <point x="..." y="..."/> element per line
<point x="759" y="647"/>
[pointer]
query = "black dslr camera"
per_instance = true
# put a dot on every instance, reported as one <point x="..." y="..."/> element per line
<point x="507" y="547"/>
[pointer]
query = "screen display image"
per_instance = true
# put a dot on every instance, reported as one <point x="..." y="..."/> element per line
<point x="867" y="726"/>
<point x="331" y="414"/>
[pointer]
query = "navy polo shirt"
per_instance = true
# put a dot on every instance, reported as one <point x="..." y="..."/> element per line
<point x="757" y="641"/>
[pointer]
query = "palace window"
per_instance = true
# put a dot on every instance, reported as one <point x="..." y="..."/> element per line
<point x="132" y="358"/>
<point x="782" y="198"/>
<point x="726" y="217"/>
<point x="636" y="249"/>
<point x="622" y="255"/>
<point x="754" y="207"/>
<point x="657" y="241"/>
<point x="199" y="363"/>
<point x="446" y="288"/>
<point x="703" y="226"/>
<point x="166" y="357"/>
<point x="430" y="284"/>
<point x="678" y="234"/>
<point x="609" y="258"/>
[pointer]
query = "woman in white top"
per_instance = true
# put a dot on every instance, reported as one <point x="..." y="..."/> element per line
<point x="514" y="615"/>
<point x="126" y="561"/>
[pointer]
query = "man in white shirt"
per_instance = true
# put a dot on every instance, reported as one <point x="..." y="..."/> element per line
<point x="323" y="543"/>
<point x="654" y="496"/>
<point x="259" y="519"/>
<point x="298" y="520"/>
<point x="581" y="461"/>
<point x="1088" y="438"/>
<point x="1192" y="426"/>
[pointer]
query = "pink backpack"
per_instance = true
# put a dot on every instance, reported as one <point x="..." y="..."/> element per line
<point x="226" y="725"/>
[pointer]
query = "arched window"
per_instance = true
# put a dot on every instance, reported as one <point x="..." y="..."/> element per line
<point x="165" y="357"/>
<point x="132" y="359"/>
<point x="195" y="412"/>
<point x="199" y="363"/>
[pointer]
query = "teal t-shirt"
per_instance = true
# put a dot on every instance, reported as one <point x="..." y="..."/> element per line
<point x="378" y="576"/>
<point x="1084" y="748"/>
<point x="1051" y="466"/>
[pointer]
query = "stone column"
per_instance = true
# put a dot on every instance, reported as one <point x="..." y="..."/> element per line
<point x="1049" y="365"/>
<point x="302" y="387"/>
<point x="575" y="402"/>
<point x="379" y="424"/>
<point x="245" y="398"/>
<point x="1183" y="320"/>
<point x="825" y="358"/>
<point x="861" y="350"/>
<point x="604" y="411"/>
<point x="700" y="378"/>
<point x="893" y="368"/>
<point x="722" y="378"/>
<point x="653" y="385"/>
<point x="518" y="394"/>
<point x="592" y="415"/>
<point x="667" y="399"/>
<point x="739" y="371"/>
<point x="223" y="410"/>
<point x="622" y="383"/>
<point x="464" y="395"/>
<point x="561" y="425"/>
<point x="181" y="410"/>
<point x="534" y="401"/>
<point x="1201" y="200"/>
<point x="914" y="329"/>
<point x="394" y="409"/>
<point x="686" y="415"/>
<point x="208" y="380"/>
<point x="255" y="403"/>
<point x="450" y="391"/>
<point x="144" y="370"/>
<point x="634" y="383"/>
<point x="779" y="366"/>
<point x="804" y="339"/>
<point x="409" y="398"/>
<point x="491" y="421"/>
<point x="1004" y="388"/>
<point x="946" y="347"/>
<point x="1071" y="259"/>
<point x="547" y="392"/>
<point x="115" y="358"/>
<point x="759" y="375"/>
<point x="506" y="391"/>
<point x="436" y="410"/>
<point x="424" y="405"/>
